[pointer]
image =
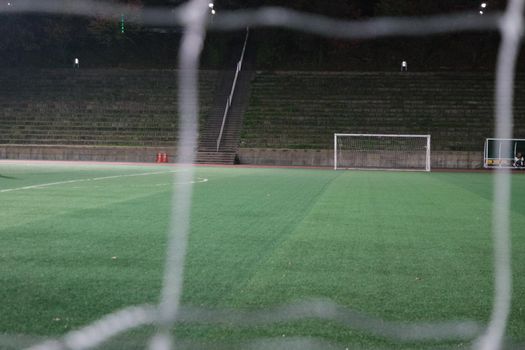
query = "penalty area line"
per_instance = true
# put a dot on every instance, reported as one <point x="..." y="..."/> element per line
<point x="199" y="180"/>
<point x="66" y="182"/>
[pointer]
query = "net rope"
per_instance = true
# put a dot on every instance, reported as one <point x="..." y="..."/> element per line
<point x="193" y="17"/>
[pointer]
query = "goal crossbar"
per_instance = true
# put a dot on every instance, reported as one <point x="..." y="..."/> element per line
<point x="382" y="151"/>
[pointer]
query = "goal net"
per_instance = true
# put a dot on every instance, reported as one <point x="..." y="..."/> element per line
<point x="193" y="17"/>
<point x="379" y="151"/>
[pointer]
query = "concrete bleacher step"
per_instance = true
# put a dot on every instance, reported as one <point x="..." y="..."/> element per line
<point x="290" y="109"/>
<point x="94" y="106"/>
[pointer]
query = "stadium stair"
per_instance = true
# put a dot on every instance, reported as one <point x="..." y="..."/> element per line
<point x="209" y="133"/>
<point x="207" y="152"/>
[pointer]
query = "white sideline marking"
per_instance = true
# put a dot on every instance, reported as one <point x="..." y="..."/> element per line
<point x="198" y="181"/>
<point x="85" y="180"/>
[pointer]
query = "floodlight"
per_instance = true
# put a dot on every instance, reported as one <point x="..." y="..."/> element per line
<point x="213" y="12"/>
<point x="480" y="12"/>
<point x="122" y="24"/>
<point x="483" y="5"/>
<point x="210" y="5"/>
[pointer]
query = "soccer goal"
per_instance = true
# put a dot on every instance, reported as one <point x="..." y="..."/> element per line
<point x="500" y="153"/>
<point x="380" y="151"/>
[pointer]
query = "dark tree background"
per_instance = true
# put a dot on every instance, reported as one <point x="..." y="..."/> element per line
<point x="53" y="41"/>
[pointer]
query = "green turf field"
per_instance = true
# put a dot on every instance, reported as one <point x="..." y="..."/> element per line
<point x="80" y="241"/>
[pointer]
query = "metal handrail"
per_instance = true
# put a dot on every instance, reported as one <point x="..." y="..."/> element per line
<point x="232" y="91"/>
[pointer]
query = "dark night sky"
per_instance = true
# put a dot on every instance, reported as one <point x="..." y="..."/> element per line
<point x="53" y="40"/>
<point x="359" y="8"/>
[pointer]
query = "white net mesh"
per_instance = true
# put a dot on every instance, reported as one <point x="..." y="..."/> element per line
<point x="192" y="16"/>
<point x="397" y="152"/>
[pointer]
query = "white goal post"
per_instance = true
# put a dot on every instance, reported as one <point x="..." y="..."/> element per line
<point x="382" y="152"/>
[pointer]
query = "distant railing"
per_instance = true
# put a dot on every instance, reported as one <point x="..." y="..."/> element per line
<point x="232" y="91"/>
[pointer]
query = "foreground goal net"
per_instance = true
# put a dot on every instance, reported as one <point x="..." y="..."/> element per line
<point x="380" y="151"/>
<point x="193" y="17"/>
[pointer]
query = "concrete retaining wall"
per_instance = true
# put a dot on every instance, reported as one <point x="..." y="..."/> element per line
<point x="254" y="156"/>
<point x="84" y="153"/>
<point x="308" y="157"/>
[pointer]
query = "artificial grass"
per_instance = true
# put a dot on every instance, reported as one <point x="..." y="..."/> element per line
<point x="399" y="246"/>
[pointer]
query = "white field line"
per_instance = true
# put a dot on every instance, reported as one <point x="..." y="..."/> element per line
<point x="197" y="181"/>
<point x="85" y="180"/>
